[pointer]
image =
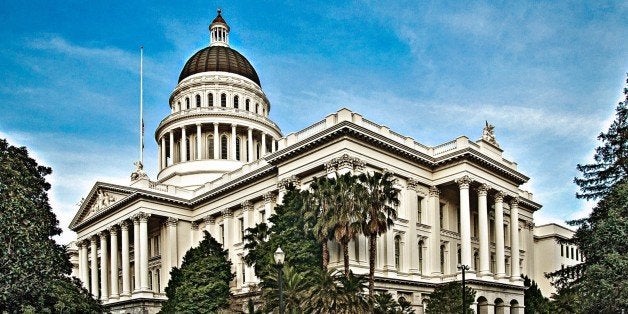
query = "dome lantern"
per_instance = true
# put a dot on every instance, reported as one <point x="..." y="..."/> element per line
<point x="219" y="31"/>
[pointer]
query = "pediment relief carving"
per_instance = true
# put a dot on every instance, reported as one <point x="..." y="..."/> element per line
<point x="103" y="199"/>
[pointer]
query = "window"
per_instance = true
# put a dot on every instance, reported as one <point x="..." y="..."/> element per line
<point x="419" y="209"/>
<point x="179" y="106"/>
<point x="476" y="260"/>
<point x="247" y="104"/>
<point x="441" y="212"/>
<point x="421" y="244"/>
<point x="198" y="101"/>
<point x="442" y="259"/>
<point x="458" y="219"/>
<point x="492" y="263"/>
<point x="222" y="235"/>
<point x="236" y="101"/>
<point x="241" y="221"/>
<point x="561" y="250"/>
<point x="491" y="230"/>
<point x="397" y="251"/>
<point x="187" y="103"/>
<point x="262" y="215"/>
<point x="567" y="252"/>
<point x="237" y="148"/>
<point x="187" y="148"/>
<point x="210" y="146"/>
<point x="150" y="280"/>
<point x="572" y="255"/>
<point x="243" y="270"/>
<point x="259" y="150"/>
<point x="210" y="99"/>
<point x="223" y="147"/>
<point x="256" y="108"/>
<point x="577" y="254"/>
<point x="223" y="100"/>
<point x="157" y="280"/>
<point x="264" y="111"/>
<point x="459" y="256"/>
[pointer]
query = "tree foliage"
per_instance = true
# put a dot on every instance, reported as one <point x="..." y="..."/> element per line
<point x="291" y="229"/>
<point x="34" y="269"/>
<point x="447" y="298"/>
<point x="599" y="285"/>
<point x="384" y="303"/>
<point x="533" y="299"/>
<point x="201" y="285"/>
<point x="611" y="159"/>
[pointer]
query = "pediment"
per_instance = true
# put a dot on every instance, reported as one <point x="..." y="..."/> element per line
<point x="99" y="199"/>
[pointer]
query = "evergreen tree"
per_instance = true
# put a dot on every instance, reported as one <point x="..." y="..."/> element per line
<point x="291" y="229"/>
<point x="611" y="159"/>
<point x="533" y="299"/>
<point x="448" y="299"/>
<point x="34" y="269"/>
<point x="201" y="285"/>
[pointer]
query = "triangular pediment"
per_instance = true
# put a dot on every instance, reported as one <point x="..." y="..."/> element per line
<point x="100" y="198"/>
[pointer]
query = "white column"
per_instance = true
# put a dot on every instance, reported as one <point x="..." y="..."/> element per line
<point x="249" y="143"/>
<point x="126" y="275"/>
<point x="84" y="266"/>
<point x="233" y="142"/>
<point x="143" y="219"/>
<point x="263" y="151"/>
<point x="411" y="201"/>
<point x="136" y="253"/>
<point x="274" y="146"/>
<point x="499" y="235"/>
<point x="94" y="262"/>
<point x="184" y="145"/>
<point x="171" y="224"/>
<point x="389" y="238"/>
<point x="465" y="220"/>
<point x="198" y="141"/>
<point x="216" y="142"/>
<point x="104" y="267"/>
<point x="483" y="232"/>
<point x="163" y="162"/>
<point x="270" y="201"/>
<point x="113" y="232"/>
<point x="434" y="242"/>
<point x="515" y="272"/>
<point x="171" y="147"/>
<point x="210" y="223"/>
<point x="227" y="223"/>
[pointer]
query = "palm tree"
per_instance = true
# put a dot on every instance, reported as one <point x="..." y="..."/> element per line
<point x="333" y="292"/>
<point x="346" y="219"/>
<point x="380" y="194"/>
<point x="320" y="205"/>
<point x="295" y="288"/>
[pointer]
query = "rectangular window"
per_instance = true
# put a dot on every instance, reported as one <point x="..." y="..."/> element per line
<point x="572" y="255"/>
<point x="561" y="250"/>
<point x="222" y="235"/>
<point x="458" y="219"/>
<point x="567" y="252"/>
<point x="419" y="209"/>
<point x="441" y="211"/>
<point x="262" y="214"/>
<point x="241" y="221"/>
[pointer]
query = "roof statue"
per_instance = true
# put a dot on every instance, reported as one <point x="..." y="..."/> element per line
<point x="139" y="173"/>
<point x="488" y="134"/>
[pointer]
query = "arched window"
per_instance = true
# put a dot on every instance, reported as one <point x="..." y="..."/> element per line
<point x="236" y="101"/>
<point x="210" y="146"/>
<point x="442" y="259"/>
<point x="198" y="101"/>
<point x="237" y="148"/>
<point x="421" y="244"/>
<point x="264" y="111"/>
<point x="256" y="108"/>
<point x="179" y="106"/>
<point x="187" y="103"/>
<point x="247" y="104"/>
<point x="476" y="260"/>
<point x="223" y="147"/>
<point x="210" y="100"/>
<point x="397" y="251"/>
<point x="492" y="266"/>
<point x="223" y="100"/>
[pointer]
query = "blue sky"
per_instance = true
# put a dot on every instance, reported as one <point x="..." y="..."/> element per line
<point x="546" y="74"/>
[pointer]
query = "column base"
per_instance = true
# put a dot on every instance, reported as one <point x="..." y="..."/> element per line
<point x="468" y="275"/>
<point x="143" y="294"/>
<point x="485" y="274"/>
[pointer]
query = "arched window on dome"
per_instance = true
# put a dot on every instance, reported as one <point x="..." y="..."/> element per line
<point x="179" y="106"/>
<point x="223" y="147"/>
<point x="237" y="152"/>
<point x="198" y="101"/>
<point x="187" y="103"/>
<point x="247" y="104"/>
<point x="264" y="111"/>
<point x="210" y="146"/>
<point x="210" y="99"/>
<point x="256" y="108"/>
<point x="223" y="100"/>
<point x="236" y="101"/>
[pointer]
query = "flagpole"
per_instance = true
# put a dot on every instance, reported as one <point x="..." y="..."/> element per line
<point x="141" y="105"/>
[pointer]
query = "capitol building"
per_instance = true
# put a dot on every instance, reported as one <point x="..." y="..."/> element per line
<point x="223" y="166"/>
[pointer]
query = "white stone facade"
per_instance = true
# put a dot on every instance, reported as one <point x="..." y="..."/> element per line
<point x="223" y="168"/>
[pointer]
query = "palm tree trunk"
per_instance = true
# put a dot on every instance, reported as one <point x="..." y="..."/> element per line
<point x="325" y="255"/>
<point x="372" y="252"/>
<point x="345" y="250"/>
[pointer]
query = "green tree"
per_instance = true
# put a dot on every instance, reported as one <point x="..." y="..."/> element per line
<point x="295" y="286"/>
<point x="201" y="285"/>
<point x="69" y="296"/>
<point x="533" y="299"/>
<point x="611" y="159"/>
<point x="291" y="229"/>
<point x="34" y="269"/>
<point x="334" y="292"/>
<point x="447" y="298"/>
<point x="379" y="199"/>
<point x="319" y="207"/>
<point x="599" y="285"/>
